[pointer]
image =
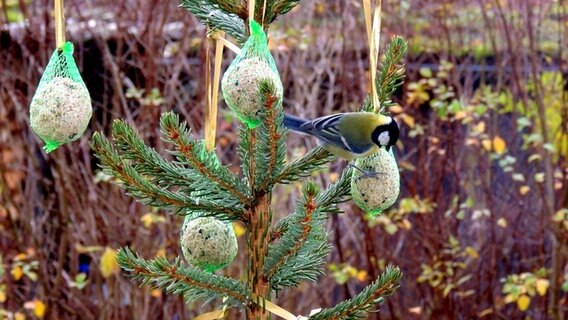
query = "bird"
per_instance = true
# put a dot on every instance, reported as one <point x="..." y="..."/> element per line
<point x="349" y="135"/>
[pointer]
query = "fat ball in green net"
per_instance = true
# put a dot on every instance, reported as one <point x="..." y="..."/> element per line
<point x="61" y="106"/>
<point x="377" y="191"/>
<point x="207" y="242"/>
<point x="241" y="82"/>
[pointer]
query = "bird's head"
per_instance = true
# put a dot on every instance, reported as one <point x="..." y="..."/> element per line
<point x="386" y="133"/>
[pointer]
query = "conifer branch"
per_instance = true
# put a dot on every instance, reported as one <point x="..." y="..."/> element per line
<point x="147" y="161"/>
<point x="336" y="193"/>
<point x="280" y="7"/>
<point x="309" y="206"/>
<point x="303" y="167"/>
<point x="147" y="192"/>
<point x="391" y="75"/>
<point x="272" y="136"/>
<point x="236" y="7"/>
<point x="303" y="246"/>
<point x="216" y="18"/>
<point x="356" y="307"/>
<point x="202" y="161"/>
<point x="176" y="278"/>
<point x="263" y="148"/>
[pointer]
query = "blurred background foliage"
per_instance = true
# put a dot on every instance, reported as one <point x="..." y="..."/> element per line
<point x="480" y="229"/>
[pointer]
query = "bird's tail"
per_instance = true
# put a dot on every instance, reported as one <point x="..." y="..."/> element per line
<point x="294" y="123"/>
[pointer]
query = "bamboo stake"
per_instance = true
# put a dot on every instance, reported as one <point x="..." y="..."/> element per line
<point x="263" y="12"/>
<point x="373" y="27"/>
<point x="211" y="129"/>
<point x="251" y="5"/>
<point x="59" y="24"/>
<point x="210" y="122"/>
<point x="368" y="18"/>
<point x="231" y="46"/>
<point x="374" y="47"/>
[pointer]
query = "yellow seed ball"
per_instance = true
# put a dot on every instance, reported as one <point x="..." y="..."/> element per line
<point x="377" y="192"/>
<point x="60" y="110"/>
<point x="208" y="243"/>
<point x="240" y="86"/>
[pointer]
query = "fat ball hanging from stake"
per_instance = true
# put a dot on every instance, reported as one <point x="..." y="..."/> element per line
<point x="61" y="106"/>
<point x="241" y="82"/>
<point x="207" y="242"/>
<point x="377" y="192"/>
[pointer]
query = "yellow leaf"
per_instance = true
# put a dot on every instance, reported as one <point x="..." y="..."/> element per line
<point x="471" y="142"/>
<point x="3" y="296"/>
<point x="239" y="229"/>
<point x="351" y="271"/>
<point x="509" y="298"/>
<point x="320" y="8"/>
<point x="406" y="224"/>
<point x="472" y="252"/>
<point x="485" y="312"/>
<point x="486" y="143"/>
<point x="147" y="220"/>
<point x="156" y="293"/>
<point x="87" y="249"/>
<point x="460" y="115"/>
<point x="499" y="145"/>
<point x="542" y="286"/>
<point x="408" y="120"/>
<point x="333" y="176"/>
<point x="524" y="190"/>
<point x="396" y="109"/>
<point x="39" y="308"/>
<point x="361" y="275"/>
<point x="20" y="257"/>
<point x="523" y="302"/>
<point x="17" y="273"/>
<point x="19" y="316"/>
<point x="161" y="252"/>
<point x="109" y="265"/>
<point x="502" y="223"/>
<point x="480" y="127"/>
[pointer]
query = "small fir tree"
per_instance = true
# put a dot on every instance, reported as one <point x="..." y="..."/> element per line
<point x="197" y="185"/>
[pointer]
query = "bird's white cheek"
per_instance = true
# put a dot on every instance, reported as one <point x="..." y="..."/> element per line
<point x="384" y="138"/>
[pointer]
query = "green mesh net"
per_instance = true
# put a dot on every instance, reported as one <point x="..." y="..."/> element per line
<point x="241" y="82"/>
<point x="61" y="107"/>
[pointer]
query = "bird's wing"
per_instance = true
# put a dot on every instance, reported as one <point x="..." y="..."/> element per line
<point x="327" y="129"/>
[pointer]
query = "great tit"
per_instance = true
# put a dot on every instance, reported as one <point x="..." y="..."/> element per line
<point x="349" y="135"/>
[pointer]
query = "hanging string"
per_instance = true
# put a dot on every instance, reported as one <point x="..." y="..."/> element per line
<point x="59" y="24"/>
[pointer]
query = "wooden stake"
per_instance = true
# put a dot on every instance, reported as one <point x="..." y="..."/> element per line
<point x="59" y="24"/>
